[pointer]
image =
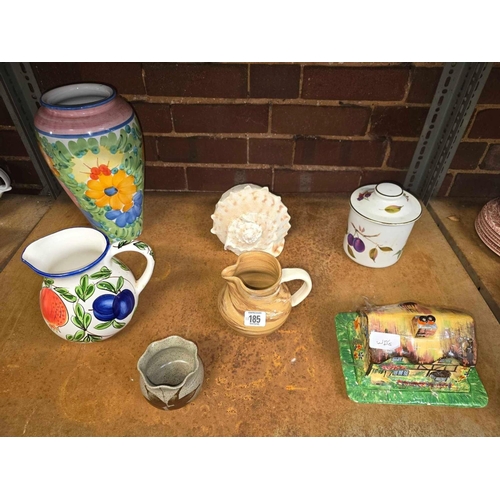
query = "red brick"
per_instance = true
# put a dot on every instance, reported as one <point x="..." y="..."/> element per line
<point x="468" y="155"/>
<point x="279" y="81"/>
<point x="202" y="150"/>
<point x="125" y="77"/>
<point x="150" y="148"/>
<point x="5" y="118"/>
<point x="486" y="125"/>
<point x="358" y="84"/>
<point x="236" y="118"/>
<point x="398" y="121"/>
<point x="20" y="172"/>
<point x="165" y="178"/>
<point x="221" y="179"/>
<point x="153" y="117"/>
<point x="423" y="85"/>
<point x="11" y="144"/>
<point x="316" y="151"/>
<point x="271" y="151"/>
<point x="476" y="186"/>
<point x="305" y="181"/>
<point x="55" y="74"/>
<point x="320" y="120"/>
<point x="196" y="79"/>
<point x="491" y="89"/>
<point x="401" y="154"/>
<point x="445" y="185"/>
<point x="377" y="176"/>
<point x="492" y="159"/>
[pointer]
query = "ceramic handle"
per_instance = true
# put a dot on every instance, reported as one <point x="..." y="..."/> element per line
<point x="298" y="274"/>
<point x="6" y="179"/>
<point x="142" y="248"/>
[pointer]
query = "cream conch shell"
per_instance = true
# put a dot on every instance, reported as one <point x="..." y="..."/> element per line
<point x="249" y="217"/>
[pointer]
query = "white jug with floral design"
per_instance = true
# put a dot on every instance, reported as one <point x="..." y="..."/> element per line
<point x="87" y="295"/>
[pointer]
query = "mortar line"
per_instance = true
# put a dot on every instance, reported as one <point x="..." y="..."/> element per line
<point x="299" y="101"/>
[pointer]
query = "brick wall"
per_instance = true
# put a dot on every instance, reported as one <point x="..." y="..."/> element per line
<point x="294" y="127"/>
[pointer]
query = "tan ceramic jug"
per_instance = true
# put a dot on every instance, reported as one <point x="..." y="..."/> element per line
<point x="255" y="300"/>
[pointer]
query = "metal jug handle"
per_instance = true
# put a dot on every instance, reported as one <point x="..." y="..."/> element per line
<point x="298" y="274"/>
<point x="139" y="247"/>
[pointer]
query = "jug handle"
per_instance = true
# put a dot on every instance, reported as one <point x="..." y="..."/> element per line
<point x="6" y="179"/>
<point x="139" y="247"/>
<point x="298" y="274"/>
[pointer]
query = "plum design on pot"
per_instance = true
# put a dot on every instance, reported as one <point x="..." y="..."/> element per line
<point x="109" y="307"/>
<point x="355" y="242"/>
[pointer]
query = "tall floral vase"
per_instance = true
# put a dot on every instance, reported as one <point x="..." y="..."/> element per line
<point x="92" y="141"/>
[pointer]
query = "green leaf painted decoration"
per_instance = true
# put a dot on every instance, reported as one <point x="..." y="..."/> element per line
<point x="351" y="253"/>
<point x="141" y="245"/>
<point x="48" y="282"/>
<point x="386" y="249"/>
<point x="106" y="285"/>
<point x="79" y="292"/>
<point x="92" y="338"/>
<point x="77" y="322"/>
<point x="63" y="152"/>
<point x="84" y="281"/>
<point x="103" y="326"/>
<point x="83" y="290"/>
<point x="393" y="209"/>
<point x="103" y="273"/>
<point x="398" y="253"/>
<point x="373" y="254"/>
<point x="123" y="140"/>
<point x="89" y="292"/>
<point x="123" y="243"/>
<point x="65" y="294"/>
<point x="119" y="284"/>
<point x="93" y="145"/>
<point x="117" y="324"/>
<point x="121" y="264"/>
<point x="79" y="335"/>
<point x="80" y="312"/>
<point x="86" y="320"/>
<point x="78" y="148"/>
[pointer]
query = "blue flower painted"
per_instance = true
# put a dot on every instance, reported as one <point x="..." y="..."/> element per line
<point x="123" y="218"/>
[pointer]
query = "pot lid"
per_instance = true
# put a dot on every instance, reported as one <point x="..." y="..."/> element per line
<point x="386" y="203"/>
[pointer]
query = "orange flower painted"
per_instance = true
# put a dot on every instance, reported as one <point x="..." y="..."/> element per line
<point x="115" y="190"/>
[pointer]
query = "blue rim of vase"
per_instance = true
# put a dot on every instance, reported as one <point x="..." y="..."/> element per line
<point x="74" y="107"/>
<point x="74" y="271"/>
<point x="88" y="134"/>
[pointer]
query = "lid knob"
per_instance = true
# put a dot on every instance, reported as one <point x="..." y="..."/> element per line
<point x="388" y="190"/>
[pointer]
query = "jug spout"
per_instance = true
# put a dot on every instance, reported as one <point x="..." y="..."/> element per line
<point x="257" y="273"/>
<point x="233" y="281"/>
<point x="67" y="252"/>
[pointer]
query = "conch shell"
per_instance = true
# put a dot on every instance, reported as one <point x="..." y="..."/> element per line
<point x="249" y="217"/>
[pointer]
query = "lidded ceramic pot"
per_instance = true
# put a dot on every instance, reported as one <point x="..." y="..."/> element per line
<point x="380" y="221"/>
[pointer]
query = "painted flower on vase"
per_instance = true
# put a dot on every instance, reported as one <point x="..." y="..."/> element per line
<point x="122" y="218"/>
<point x="113" y="190"/>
